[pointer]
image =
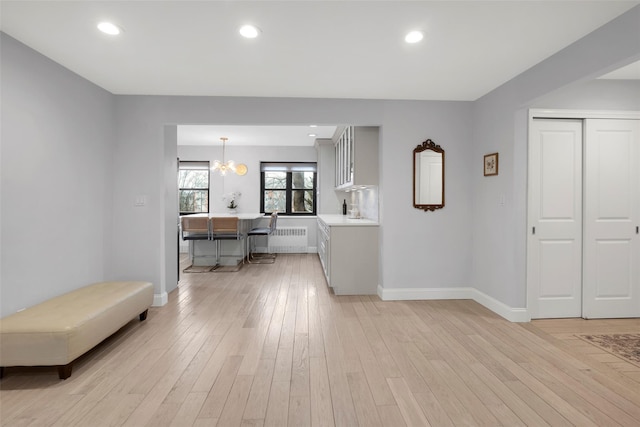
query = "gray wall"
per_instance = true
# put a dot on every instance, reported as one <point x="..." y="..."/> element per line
<point x="56" y="180"/>
<point x="441" y="238"/>
<point x="500" y="125"/>
<point x="594" y="95"/>
<point x="74" y="159"/>
<point x="425" y="249"/>
<point x="249" y="184"/>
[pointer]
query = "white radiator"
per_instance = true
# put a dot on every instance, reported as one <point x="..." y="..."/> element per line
<point x="288" y="240"/>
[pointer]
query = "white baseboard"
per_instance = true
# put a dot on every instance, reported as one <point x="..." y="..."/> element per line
<point x="403" y="294"/>
<point x="160" y="299"/>
<point x="512" y="314"/>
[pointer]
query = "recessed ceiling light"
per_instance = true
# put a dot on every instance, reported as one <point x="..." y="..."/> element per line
<point x="109" y="28"/>
<point x="312" y="134"/>
<point x="313" y="126"/>
<point x="413" y="37"/>
<point x="249" y="31"/>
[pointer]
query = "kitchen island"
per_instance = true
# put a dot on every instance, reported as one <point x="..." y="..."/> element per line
<point x="231" y="251"/>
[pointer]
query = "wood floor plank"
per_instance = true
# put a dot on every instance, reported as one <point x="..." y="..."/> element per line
<point x="365" y="406"/>
<point x="466" y="396"/>
<point x="256" y="408"/>
<point x="316" y="346"/>
<point x="432" y="409"/>
<point x="618" y="383"/>
<point x="390" y="416"/>
<point x="320" y="393"/>
<point x="209" y="373"/>
<point x="564" y="376"/>
<point x="213" y="405"/>
<point x="189" y="410"/>
<point x="541" y="407"/>
<point x="343" y="410"/>
<point x="185" y="384"/>
<point x="271" y="345"/>
<point x="163" y="415"/>
<point x="507" y="357"/>
<point x="472" y="391"/>
<point x="371" y="327"/>
<point x="278" y="407"/>
<point x="236" y="401"/>
<point x="255" y="350"/>
<point x="524" y="412"/>
<point x="406" y="369"/>
<point x="299" y="411"/>
<point x="409" y="406"/>
<point x="300" y="366"/>
<point x="375" y="378"/>
<point x="439" y="387"/>
<point x="573" y="397"/>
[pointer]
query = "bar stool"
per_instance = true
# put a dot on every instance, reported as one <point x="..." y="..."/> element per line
<point x="268" y="258"/>
<point x="194" y="228"/>
<point x="226" y="228"/>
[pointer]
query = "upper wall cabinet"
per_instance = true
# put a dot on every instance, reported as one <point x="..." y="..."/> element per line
<point x="356" y="157"/>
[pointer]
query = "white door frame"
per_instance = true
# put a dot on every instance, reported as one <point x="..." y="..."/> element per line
<point x="536" y="113"/>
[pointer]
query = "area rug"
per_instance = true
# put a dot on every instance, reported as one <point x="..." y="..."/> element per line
<point x="625" y="346"/>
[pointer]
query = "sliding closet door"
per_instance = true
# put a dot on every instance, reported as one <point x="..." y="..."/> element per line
<point x="554" y="267"/>
<point x="612" y="215"/>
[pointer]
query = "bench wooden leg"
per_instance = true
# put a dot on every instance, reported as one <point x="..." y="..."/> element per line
<point x="143" y="315"/>
<point x="64" y="371"/>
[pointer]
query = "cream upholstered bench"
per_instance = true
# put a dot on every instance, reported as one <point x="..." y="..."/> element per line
<point x="58" y="331"/>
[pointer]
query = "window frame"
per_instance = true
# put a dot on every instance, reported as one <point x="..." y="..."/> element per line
<point x="288" y="167"/>
<point x="205" y="165"/>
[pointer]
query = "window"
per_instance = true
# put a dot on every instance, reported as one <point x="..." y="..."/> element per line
<point x="288" y="188"/>
<point x="193" y="187"/>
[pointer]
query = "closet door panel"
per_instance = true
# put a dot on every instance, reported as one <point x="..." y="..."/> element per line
<point x="554" y="268"/>
<point x="614" y="273"/>
<point x="611" y="264"/>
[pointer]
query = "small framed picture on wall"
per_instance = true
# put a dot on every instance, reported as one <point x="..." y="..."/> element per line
<point x="491" y="164"/>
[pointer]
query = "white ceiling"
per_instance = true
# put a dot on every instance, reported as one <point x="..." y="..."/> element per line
<point x="312" y="49"/>
<point x="630" y="72"/>
<point x="252" y="135"/>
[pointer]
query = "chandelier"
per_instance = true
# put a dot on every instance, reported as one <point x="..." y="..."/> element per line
<point x="228" y="165"/>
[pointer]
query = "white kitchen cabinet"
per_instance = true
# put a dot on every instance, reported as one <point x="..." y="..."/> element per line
<point x="327" y="199"/>
<point x="323" y="247"/>
<point x="348" y="251"/>
<point x="356" y="156"/>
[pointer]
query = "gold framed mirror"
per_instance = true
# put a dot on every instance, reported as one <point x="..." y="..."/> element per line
<point x="428" y="176"/>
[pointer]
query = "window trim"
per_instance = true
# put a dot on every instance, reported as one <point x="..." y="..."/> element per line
<point x="289" y="168"/>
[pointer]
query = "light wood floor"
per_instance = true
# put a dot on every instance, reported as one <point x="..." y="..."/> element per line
<point x="269" y="345"/>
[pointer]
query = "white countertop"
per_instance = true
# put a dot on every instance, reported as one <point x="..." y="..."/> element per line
<point x="344" y="220"/>
<point x="242" y="216"/>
